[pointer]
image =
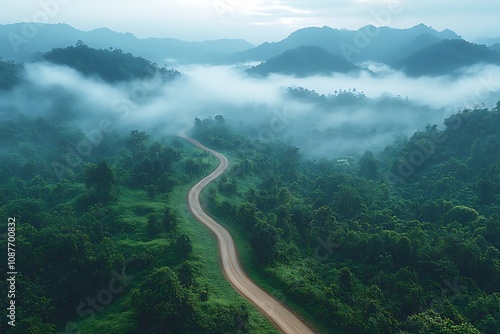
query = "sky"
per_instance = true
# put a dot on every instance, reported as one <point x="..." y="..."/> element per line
<point x="256" y="21"/>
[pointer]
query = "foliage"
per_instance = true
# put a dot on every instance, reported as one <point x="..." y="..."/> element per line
<point x="216" y="132"/>
<point x="162" y="304"/>
<point x="304" y="61"/>
<point x="184" y="245"/>
<point x="10" y="74"/>
<point x="112" y="65"/>
<point x="375" y="250"/>
<point x="446" y="57"/>
<point x="100" y="180"/>
<point x="151" y="164"/>
<point x="378" y="243"/>
<point x="263" y="239"/>
<point x="430" y="322"/>
<point x="76" y="234"/>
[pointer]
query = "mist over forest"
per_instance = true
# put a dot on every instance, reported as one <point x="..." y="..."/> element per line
<point x="362" y="187"/>
<point x="365" y="110"/>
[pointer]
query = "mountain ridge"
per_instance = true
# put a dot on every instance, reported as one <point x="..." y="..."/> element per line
<point x="18" y="45"/>
<point x="24" y="42"/>
<point x="382" y="46"/>
<point x="446" y="57"/>
<point x="304" y="61"/>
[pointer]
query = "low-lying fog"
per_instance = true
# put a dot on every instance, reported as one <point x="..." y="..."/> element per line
<point x="394" y="106"/>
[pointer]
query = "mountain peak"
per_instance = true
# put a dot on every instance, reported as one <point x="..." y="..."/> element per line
<point x="422" y="26"/>
<point x="427" y="29"/>
<point x="110" y="32"/>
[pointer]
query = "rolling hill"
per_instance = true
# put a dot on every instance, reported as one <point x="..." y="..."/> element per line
<point x="447" y="57"/>
<point x="495" y="47"/>
<point x="10" y="74"/>
<point x="17" y="45"/>
<point x="112" y="65"/>
<point x="385" y="46"/>
<point x="304" y="61"/>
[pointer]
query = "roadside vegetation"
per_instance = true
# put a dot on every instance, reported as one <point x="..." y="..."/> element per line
<point x="380" y="243"/>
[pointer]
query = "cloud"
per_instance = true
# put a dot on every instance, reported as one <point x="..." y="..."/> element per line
<point x="322" y="129"/>
<point x="273" y="8"/>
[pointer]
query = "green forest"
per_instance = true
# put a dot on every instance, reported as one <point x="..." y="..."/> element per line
<point x="359" y="245"/>
<point x="103" y="231"/>
<point x="10" y="74"/>
<point x="110" y="233"/>
<point x="402" y="240"/>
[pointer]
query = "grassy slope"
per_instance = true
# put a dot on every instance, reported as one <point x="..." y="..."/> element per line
<point x="134" y="206"/>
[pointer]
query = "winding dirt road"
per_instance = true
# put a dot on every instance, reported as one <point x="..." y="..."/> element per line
<point x="284" y="319"/>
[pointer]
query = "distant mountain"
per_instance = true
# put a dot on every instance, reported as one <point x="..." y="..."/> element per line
<point x="495" y="47"/>
<point x="385" y="45"/>
<point x="488" y="40"/>
<point x="304" y="61"/>
<point x="111" y="65"/>
<point x="419" y="43"/>
<point x="22" y="42"/>
<point x="447" y="57"/>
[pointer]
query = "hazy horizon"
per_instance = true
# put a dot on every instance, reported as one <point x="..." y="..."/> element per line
<point x="256" y="21"/>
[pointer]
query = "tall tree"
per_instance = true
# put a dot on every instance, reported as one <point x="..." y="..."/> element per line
<point x="101" y="182"/>
<point x="162" y="305"/>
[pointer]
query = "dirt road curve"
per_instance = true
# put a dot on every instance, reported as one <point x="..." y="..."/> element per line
<point x="284" y="320"/>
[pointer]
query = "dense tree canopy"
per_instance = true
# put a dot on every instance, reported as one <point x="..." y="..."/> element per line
<point x="112" y="65"/>
<point x="10" y="74"/>
<point x="385" y="244"/>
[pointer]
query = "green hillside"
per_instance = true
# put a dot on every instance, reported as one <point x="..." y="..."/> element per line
<point x="446" y="57"/>
<point x="10" y="74"/>
<point x="304" y="61"/>
<point x="112" y="65"/>
<point x="403" y="241"/>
